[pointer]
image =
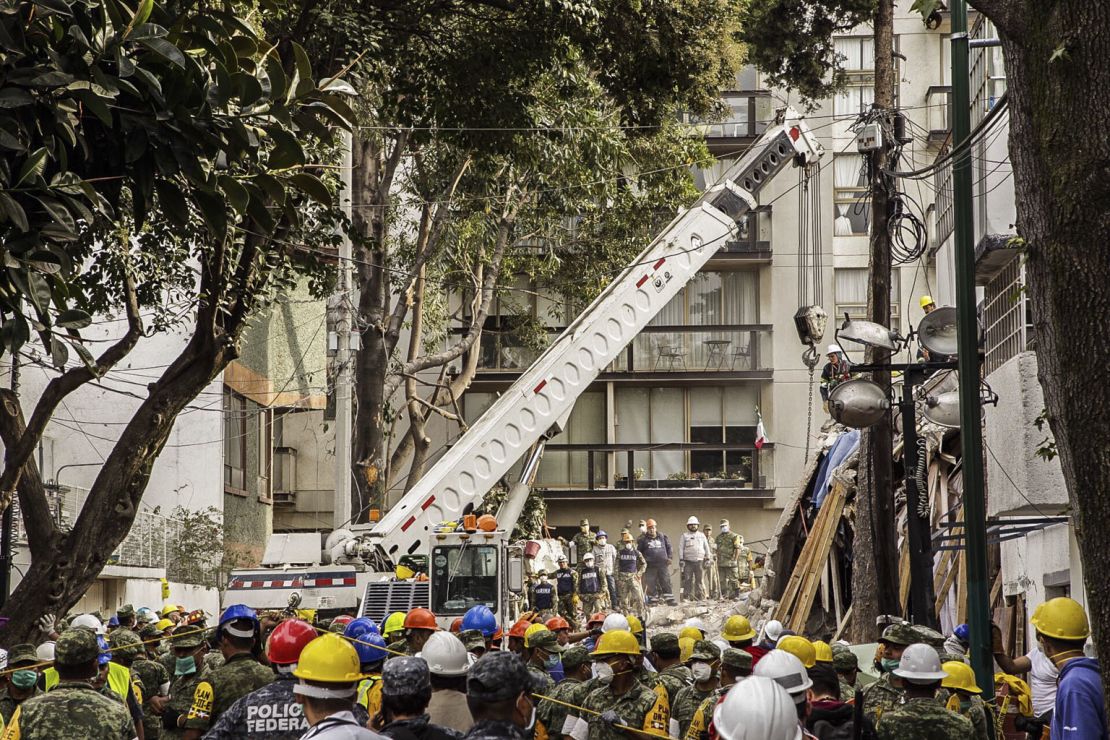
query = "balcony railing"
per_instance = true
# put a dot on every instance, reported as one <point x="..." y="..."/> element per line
<point x="752" y="238"/>
<point x="675" y="469"/>
<point x="684" y="349"/>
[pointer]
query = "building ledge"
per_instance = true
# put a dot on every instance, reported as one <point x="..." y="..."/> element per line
<point x="992" y="253"/>
<point x="642" y="494"/>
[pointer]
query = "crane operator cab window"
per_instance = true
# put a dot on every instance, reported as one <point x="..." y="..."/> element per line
<point x="464" y="576"/>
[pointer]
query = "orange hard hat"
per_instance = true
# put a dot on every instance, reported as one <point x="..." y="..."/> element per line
<point x="599" y="617"/>
<point x="456" y="626"/>
<point x="557" y="623"/>
<point x="650" y="523"/>
<point x="487" y="523"/>
<point x="519" y="628"/>
<point x="420" y="619"/>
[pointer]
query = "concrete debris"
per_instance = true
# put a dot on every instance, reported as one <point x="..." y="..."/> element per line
<point x="714" y="613"/>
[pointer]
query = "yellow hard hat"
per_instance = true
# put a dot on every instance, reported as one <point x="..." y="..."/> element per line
<point x="537" y="627"/>
<point x="926" y="300"/>
<point x="162" y="625"/>
<point x="330" y="659"/>
<point x="167" y="609"/>
<point x="404" y="572"/>
<point x="617" y="642"/>
<point x="737" y="629"/>
<point x="1062" y="618"/>
<point x="692" y="632"/>
<point x="395" y="622"/>
<point x="960" y="676"/>
<point x="799" y="647"/>
<point x="686" y="648"/>
<point x="822" y="652"/>
<point x="634" y="624"/>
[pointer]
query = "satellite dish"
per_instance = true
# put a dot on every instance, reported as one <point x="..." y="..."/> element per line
<point x="869" y="334"/>
<point x="858" y="403"/>
<point x="943" y="409"/>
<point x="937" y="332"/>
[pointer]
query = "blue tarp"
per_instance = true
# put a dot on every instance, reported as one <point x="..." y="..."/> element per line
<point x="842" y="448"/>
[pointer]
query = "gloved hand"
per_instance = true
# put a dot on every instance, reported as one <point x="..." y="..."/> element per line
<point x="610" y="717"/>
<point x="46" y="623"/>
<point x="169" y="718"/>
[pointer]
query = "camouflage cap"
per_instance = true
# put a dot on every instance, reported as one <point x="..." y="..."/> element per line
<point x="405" y="677"/>
<point x="575" y="656"/>
<point x="664" y="642"/>
<point x="544" y="640"/>
<point x="187" y="637"/>
<point x="125" y="644"/>
<point x="149" y="632"/>
<point x="900" y="634"/>
<point x="946" y="657"/>
<point x="76" y="647"/>
<point x="739" y="659"/>
<point x="24" y="652"/>
<point x="497" y="676"/>
<point x="583" y="522"/>
<point x="126" y="611"/>
<point x="844" y="660"/>
<point x="473" y="639"/>
<point x="705" y="650"/>
<point x="928" y="636"/>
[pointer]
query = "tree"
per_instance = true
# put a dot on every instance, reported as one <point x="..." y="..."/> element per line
<point x="527" y="138"/>
<point x="147" y="154"/>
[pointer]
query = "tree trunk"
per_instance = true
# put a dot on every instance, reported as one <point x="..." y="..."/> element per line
<point x="875" y="555"/>
<point x="1059" y="97"/>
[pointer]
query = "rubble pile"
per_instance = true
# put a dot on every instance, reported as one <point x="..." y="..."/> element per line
<point x="752" y="605"/>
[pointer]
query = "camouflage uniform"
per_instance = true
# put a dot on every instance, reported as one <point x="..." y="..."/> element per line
<point x="583" y="541"/>
<point x="880" y="698"/>
<point x="845" y="661"/>
<point x="72" y="709"/>
<point x="639" y="707"/>
<point x="566" y="585"/>
<point x="673" y="680"/>
<point x="712" y="584"/>
<point x="699" y="724"/>
<point x="630" y="569"/>
<point x="552" y="715"/>
<point x="147" y="675"/>
<point x="238" y="676"/>
<point x="182" y="688"/>
<point x="924" y="719"/>
<point x="729" y="547"/>
<point x="590" y="578"/>
<point x="979" y="715"/>
<point x="688" y="701"/>
<point x="22" y="653"/>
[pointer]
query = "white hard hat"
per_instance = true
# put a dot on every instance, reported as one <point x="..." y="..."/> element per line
<point x="834" y="349"/>
<point x="445" y="655"/>
<point x="696" y="624"/>
<point x="757" y="708"/>
<point x="692" y="520"/>
<point x="615" y="622"/>
<point x="773" y="630"/>
<point x="90" y="621"/>
<point x="785" y="668"/>
<point x="920" y="664"/>
<point x="45" y="652"/>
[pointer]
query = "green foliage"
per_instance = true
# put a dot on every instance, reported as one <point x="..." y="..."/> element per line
<point x="1046" y="449"/>
<point x="791" y="41"/>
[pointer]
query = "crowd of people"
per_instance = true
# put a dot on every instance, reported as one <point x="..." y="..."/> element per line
<point x="635" y="573"/>
<point x="277" y="676"/>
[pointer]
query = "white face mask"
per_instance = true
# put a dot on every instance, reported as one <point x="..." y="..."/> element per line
<point x="601" y="541"/>
<point x="701" y="671"/>
<point x="588" y="563"/>
<point x="627" y="545"/>
<point x="543" y="579"/>
<point x="643" y="530"/>
<point x="531" y="719"/>
<point x="724" y="528"/>
<point x="603" y="672"/>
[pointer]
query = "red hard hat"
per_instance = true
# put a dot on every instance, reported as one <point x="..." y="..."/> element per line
<point x="287" y="640"/>
<point x="343" y="619"/>
<point x="599" y="617"/>
<point x="519" y="628"/>
<point x="557" y="623"/>
<point x="420" y="619"/>
<point x="456" y="626"/>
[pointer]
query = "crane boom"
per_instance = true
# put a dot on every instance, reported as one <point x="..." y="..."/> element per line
<point x="548" y="389"/>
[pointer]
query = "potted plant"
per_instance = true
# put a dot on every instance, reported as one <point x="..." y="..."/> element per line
<point x="681" y="479"/>
<point x="621" y="481"/>
<point x="720" y="480"/>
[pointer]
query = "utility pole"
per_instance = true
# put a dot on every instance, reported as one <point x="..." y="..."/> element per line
<point x="967" y="328"/>
<point x="341" y="516"/>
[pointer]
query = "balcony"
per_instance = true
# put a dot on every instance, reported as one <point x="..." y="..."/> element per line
<point x="285" y="476"/>
<point x="734" y="470"/>
<point x="748" y="114"/>
<point x="938" y="99"/>
<point x="753" y="239"/>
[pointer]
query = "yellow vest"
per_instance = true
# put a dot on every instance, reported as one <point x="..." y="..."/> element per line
<point x="370" y="694"/>
<point x="119" y="679"/>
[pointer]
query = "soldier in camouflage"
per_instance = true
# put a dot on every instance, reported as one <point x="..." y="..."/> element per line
<point x="630" y="571"/>
<point x="621" y="701"/>
<point x="704" y="664"/>
<point x="593" y="587"/>
<point x="541" y="650"/>
<point x="21" y="683"/>
<point x="566" y="587"/>
<point x="499" y="695"/>
<point x="920" y="715"/>
<point x="735" y="665"/>
<point x="583" y="541"/>
<point x="886" y="693"/>
<point x="673" y="675"/>
<point x="190" y="668"/>
<point x="576" y="672"/>
<point x="73" y="709"/>
<point x="240" y="674"/>
<point x="151" y="677"/>
<point x="730" y="548"/>
<point x="710" y="575"/>
<point x="846" y="665"/>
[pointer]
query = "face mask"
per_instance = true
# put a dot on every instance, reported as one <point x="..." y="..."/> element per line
<point x="627" y="545"/>
<point x="551" y="662"/>
<point x="531" y="719"/>
<point x="24" y="679"/>
<point x="701" y="671"/>
<point x="587" y="563"/>
<point x="889" y="664"/>
<point x="965" y="705"/>
<point x="543" y="579"/>
<point x="185" y="666"/>
<point x="724" y="530"/>
<point x="643" y="530"/>
<point x="601" y="541"/>
<point x="603" y="672"/>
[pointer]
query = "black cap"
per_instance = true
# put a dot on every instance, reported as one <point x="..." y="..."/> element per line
<point x="497" y="676"/>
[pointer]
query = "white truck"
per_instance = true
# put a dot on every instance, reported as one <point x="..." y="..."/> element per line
<point x="468" y="568"/>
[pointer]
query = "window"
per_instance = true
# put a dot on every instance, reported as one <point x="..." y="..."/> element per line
<point x="265" y="452"/>
<point x="852" y="207"/>
<point x="235" y="440"/>
<point x="586" y="425"/>
<point x="1007" y="316"/>
<point x="718" y="417"/>
<point x="857" y="57"/>
<point x="851" y="293"/>
<point x="463" y="577"/>
<point x="857" y="53"/>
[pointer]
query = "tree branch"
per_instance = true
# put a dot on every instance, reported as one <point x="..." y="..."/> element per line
<point x="34" y="508"/>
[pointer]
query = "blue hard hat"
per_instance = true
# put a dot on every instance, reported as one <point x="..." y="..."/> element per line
<point x="362" y="629"/>
<point x="601" y="533"/>
<point x="480" y="618"/>
<point x="114" y="621"/>
<point x="238" y="611"/>
<point x="962" y="633"/>
<point x="105" y="654"/>
<point x="370" y="648"/>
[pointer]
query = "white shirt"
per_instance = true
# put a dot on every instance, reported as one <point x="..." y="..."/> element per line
<point x="605" y="558"/>
<point x="1042" y="681"/>
<point x="694" y="546"/>
<point x="341" y="726"/>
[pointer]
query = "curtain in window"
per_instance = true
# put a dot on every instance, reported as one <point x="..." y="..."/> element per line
<point x="740" y="298"/>
<point x="851" y="285"/>
<point x="668" y="418"/>
<point x="632" y="425"/>
<point x="858" y="52"/>
<point x="849" y="172"/>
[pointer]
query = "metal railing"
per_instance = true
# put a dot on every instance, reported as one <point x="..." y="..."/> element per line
<point x="689" y="349"/>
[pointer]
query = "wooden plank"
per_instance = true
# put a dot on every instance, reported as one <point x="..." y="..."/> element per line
<point x="843" y="623"/>
<point x="838" y="603"/>
<point x="822" y="536"/>
<point x="903" y="577"/>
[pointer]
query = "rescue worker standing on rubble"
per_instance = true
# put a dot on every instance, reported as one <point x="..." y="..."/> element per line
<point x="656" y="549"/>
<point x="593" y="589"/>
<point x="630" y="570"/>
<point x="605" y="557"/>
<point x="566" y="585"/>
<point x="583" y="542"/>
<point x="730" y="548"/>
<point x="693" y="550"/>
<point x="711" y="576"/>
<point x="543" y="594"/>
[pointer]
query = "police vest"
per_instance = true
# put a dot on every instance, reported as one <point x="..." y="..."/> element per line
<point x="628" y="560"/>
<point x="543" y="595"/>
<point x="588" y="581"/>
<point x="565" y="581"/>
